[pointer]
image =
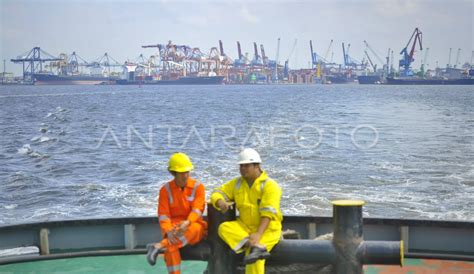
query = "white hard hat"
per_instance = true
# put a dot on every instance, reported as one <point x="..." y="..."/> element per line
<point x="249" y="156"/>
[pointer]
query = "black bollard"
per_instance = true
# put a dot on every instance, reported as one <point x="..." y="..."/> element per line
<point x="347" y="251"/>
<point x="222" y="259"/>
<point x="348" y="224"/>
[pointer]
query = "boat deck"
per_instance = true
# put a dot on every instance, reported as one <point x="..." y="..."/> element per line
<point x="137" y="264"/>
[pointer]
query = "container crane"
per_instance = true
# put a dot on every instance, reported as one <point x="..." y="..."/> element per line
<point x="344" y="55"/>
<point x="275" y="76"/>
<point x="375" y="54"/>
<point x="457" y="57"/>
<point x="408" y="56"/>
<point x="349" y="61"/>
<point x="103" y="64"/>
<point x="316" y="59"/>
<point x="328" y="50"/>
<point x="226" y="61"/>
<point x="286" y="69"/>
<point x="257" y="60"/>
<point x="33" y="62"/>
<point x="449" y="59"/>
<point x="264" y="57"/>
<point x="391" y="63"/>
<point x="374" y="66"/>
<point x="241" y="61"/>
<point x="239" y="50"/>
<point x="423" y="62"/>
<point x="389" y="68"/>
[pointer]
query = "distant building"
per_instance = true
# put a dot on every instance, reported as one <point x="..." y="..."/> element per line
<point x="7" y="77"/>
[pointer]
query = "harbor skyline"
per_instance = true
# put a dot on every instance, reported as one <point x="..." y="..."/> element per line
<point x="120" y="29"/>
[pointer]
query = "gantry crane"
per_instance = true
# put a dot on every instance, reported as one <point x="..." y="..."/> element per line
<point x="286" y="69"/>
<point x="33" y="62"/>
<point x="275" y="75"/>
<point x="423" y="62"/>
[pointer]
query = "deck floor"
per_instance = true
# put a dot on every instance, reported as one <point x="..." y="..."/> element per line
<point x="136" y="264"/>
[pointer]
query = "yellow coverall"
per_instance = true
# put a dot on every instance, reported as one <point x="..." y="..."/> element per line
<point x="262" y="199"/>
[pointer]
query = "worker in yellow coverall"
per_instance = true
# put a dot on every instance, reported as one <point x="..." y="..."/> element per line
<point x="257" y="198"/>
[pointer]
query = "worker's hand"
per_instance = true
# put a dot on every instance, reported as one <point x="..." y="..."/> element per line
<point x="254" y="239"/>
<point x="182" y="227"/>
<point x="172" y="236"/>
<point x="224" y="206"/>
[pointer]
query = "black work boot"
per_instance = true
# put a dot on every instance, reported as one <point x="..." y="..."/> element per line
<point x="152" y="253"/>
<point x="256" y="253"/>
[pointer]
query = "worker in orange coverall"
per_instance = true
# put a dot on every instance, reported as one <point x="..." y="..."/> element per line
<point x="181" y="203"/>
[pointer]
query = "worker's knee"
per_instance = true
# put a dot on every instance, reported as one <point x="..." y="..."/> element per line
<point x="195" y="227"/>
<point x="224" y="229"/>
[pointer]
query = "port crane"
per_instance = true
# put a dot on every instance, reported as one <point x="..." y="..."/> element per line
<point x="313" y="55"/>
<point x="275" y="75"/>
<point x="457" y="58"/>
<point x="32" y="62"/>
<point x="348" y="60"/>
<point x="328" y="50"/>
<point x="257" y="59"/>
<point x="242" y="60"/>
<point x="68" y="65"/>
<point x="407" y="57"/>
<point x="374" y="66"/>
<point x="105" y="61"/>
<point x="264" y="57"/>
<point x="286" y="69"/>
<point x="376" y="56"/>
<point x="316" y="58"/>
<point x="423" y="62"/>
<point x="449" y="59"/>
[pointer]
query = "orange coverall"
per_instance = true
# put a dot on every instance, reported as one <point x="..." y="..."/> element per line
<point x="176" y="205"/>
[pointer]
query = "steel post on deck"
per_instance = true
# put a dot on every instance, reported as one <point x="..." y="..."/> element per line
<point x="222" y="259"/>
<point x="348" y="227"/>
<point x="352" y="252"/>
<point x="347" y="252"/>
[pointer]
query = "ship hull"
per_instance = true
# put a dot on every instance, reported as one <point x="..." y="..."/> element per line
<point x="422" y="81"/>
<point x="337" y="79"/>
<point x="50" y="79"/>
<point x="211" y="80"/>
<point x="369" y="79"/>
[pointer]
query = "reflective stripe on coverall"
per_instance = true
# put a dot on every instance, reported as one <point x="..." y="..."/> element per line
<point x="262" y="199"/>
<point x="176" y="205"/>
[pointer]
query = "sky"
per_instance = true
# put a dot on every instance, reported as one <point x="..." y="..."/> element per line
<point x="120" y="28"/>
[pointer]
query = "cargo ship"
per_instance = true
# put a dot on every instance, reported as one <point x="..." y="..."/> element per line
<point x="428" y="81"/>
<point x="369" y="79"/>
<point x="187" y="80"/>
<point x="52" y="79"/>
<point x="337" y="79"/>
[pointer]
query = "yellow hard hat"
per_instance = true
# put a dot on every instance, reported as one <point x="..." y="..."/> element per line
<point x="180" y="162"/>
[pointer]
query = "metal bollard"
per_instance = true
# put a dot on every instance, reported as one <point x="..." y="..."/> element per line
<point x="347" y="252"/>
<point x="348" y="227"/>
<point x="222" y="259"/>
<point x="352" y="252"/>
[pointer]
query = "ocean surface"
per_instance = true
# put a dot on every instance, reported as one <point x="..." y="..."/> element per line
<point x="74" y="152"/>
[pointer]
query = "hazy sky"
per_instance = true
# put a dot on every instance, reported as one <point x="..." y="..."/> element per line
<point x="120" y="28"/>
